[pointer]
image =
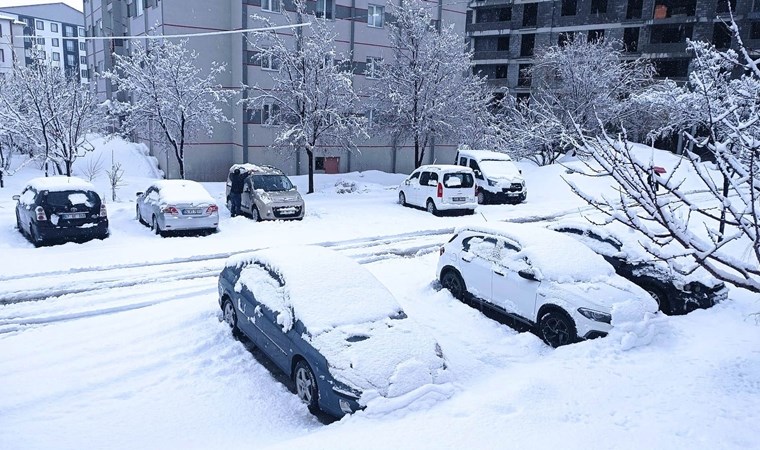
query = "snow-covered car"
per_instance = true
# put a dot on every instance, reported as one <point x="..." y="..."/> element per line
<point x="268" y="194"/>
<point x="498" y="178"/>
<point x="438" y="188"/>
<point x="674" y="292"/>
<point x="60" y="209"/>
<point x="177" y="205"/>
<point x="332" y="326"/>
<point x="542" y="279"/>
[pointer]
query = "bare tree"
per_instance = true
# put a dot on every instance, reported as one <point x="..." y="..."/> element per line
<point x="115" y="178"/>
<point x="427" y="91"/>
<point x="309" y="97"/>
<point x="169" y="91"/>
<point x="718" y="225"/>
<point x="575" y="85"/>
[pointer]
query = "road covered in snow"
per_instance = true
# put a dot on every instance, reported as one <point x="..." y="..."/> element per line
<point x="118" y="343"/>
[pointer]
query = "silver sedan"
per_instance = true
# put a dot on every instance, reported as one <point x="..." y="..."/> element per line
<point x="177" y="205"/>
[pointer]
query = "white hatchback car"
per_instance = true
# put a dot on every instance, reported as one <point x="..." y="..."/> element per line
<point x="177" y="205"/>
<point x="438" y="188"/>
<point x="540" y="278"/>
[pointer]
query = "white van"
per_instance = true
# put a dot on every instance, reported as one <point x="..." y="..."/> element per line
<point x="440" y="187"/>
<point x="497" y="177"/>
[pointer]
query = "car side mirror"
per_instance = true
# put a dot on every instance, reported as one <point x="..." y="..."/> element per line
<point x="527" y="274"/>
<point x="478" y="174"/>
<point x="295" y="188"/>
<point x="16" y="197"/>
<point x="137" y="194"/>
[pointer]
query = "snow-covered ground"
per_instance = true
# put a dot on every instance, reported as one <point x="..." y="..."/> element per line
<point x="118" y="343"/>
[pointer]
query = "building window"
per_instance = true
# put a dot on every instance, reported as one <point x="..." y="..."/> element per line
<point x="82" y="47"/>
<point x="71" y="60"/>
<point x="756" y="5"/>
<point x="669" y="8"/>
<point x="721" y="36"/>
<point x="375" y="15"/>
<point x="69" y="46"/>
<point x="82" y="60"/>
<point x="670" y="34"/>
<point x="1" y="30"/>
<point x="527" y="44"/>
<point x="598" y="6"/>
<point x="140" y="7"/>
<point x="569" y="7"/>
<point x="523" y="78"/>
<point x="269" y="61"/>
<point x="595" y="35"/>
<point x="325" y="9"/>
<point x="2" y="55"/>
<point x="40" y="41"/>
<point x="269" y="113"/>
<point x="54" y="27"/>
<point x="270" y="5"/>
<point x="491" y="15"/>
<point x="672" y="68"/>
<point x="530" y="14"/>
<point x="56" y="56"/>
<point x="372" y="67"/>
<point x="631" y="39"/>
<point x="68" y="31"/>
<point x="754" y="32"/>
<point x="80" y="30"/>
<point x="40" y="25"/>
<point x="84" y="73"/>
<point x="565" y="38"/>
<point x="55" y="42"/>
<point x="722" y="6"/>
<point x="634" y="9"/>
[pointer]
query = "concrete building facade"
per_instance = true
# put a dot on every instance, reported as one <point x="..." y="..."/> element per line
<point x="505" y="33"/>
<point x="52" y="30"/>
<point x="362" y="35"/>
<point x="10" y="45"/>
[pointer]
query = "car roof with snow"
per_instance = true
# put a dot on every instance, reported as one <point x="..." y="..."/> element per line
<point x="484" y="155"/>
<point x="253" y="168"/>
<point x="182" y="191"/>
<point x="324" y="289"/>
<point x="59" y="184"/>
<point x="444" y="168"/>
<point x="558" y="257"/>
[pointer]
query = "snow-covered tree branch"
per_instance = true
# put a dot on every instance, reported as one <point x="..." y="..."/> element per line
<point x="170" y="95"/>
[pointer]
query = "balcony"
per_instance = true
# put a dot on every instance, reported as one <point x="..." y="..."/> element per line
<point x="492" y="55"/>
<point x="676" y="47"/>
<point x="487" y="26"/>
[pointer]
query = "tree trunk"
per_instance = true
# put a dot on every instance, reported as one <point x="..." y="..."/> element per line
<point x="418" y="153"/>
<point x="310" y="159"/>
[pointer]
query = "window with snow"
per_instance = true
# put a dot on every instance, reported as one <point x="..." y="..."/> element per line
<point x="372" y="67"/>
<point x="269" y="61"/>
<point x="375" y="16"/>
<point x="269" y="114"/>
<point x="270" y="5"/>
<point x="325" y="9"/>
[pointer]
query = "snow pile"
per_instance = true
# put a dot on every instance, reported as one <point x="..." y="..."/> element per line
<point x="135" y="159"/>
<point x="633" y="324"/>
<point x="346" y="186"/>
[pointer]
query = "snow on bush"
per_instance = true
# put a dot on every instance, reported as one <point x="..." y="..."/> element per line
<point x="346" y="186"/>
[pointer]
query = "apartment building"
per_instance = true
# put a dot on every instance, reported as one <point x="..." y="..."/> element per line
<point x="52" y="30"/>
<point x="10" y="46"/>
<point x="361" y="34"/>
<point x="504" y="34"/>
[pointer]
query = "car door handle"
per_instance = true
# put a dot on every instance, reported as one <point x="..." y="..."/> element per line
<point x="467" y="258"/>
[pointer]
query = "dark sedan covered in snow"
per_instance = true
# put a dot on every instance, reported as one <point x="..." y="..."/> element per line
<point x="333" y="327"/>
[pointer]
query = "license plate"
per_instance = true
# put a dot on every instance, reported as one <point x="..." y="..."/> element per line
<point x="70" y="216"/>
<point x="458" y="199"/>
<point x="191" y="211"/>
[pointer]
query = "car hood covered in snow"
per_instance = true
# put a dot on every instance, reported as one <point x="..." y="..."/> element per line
<point x="616" y="290"/>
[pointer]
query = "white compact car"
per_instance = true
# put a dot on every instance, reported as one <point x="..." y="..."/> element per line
<point x="177" y="205"/>
<point x="497" y="177"/>
<point x="439" y="188"/>
<point x="537" y="278"/>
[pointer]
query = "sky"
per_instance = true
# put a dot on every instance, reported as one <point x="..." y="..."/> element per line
<point x="77" y="4"/>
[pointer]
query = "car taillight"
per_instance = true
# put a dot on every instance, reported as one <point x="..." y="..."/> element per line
<point x="170" y="209"/>
<point x="212" y="209"/>
<point x="440" y="190"/>
<point x="441" y="251"/>
<point x="41" y="216"/>
<point x="103" y="212"/>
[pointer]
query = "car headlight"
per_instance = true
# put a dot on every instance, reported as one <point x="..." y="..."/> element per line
<point x="594" y="315"/>
<point x="694" y="287"/>
<point x="345" y="390"/>
<point x="492" y="183"/>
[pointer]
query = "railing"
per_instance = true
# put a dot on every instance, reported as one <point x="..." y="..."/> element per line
<point x="492" y="55"/>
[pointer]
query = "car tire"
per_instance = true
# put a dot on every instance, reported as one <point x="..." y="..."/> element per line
<point x="255" y="216"/>
<point x="138" y="215"/>
<point x="229" y="204"/>
<point x="662" y="301"/>
<point x="18" y="224"/>
<point x="230" y="316"/>
<point x="402" y="198"/>
<point x="452" y="281"/>
<point x="155" y="228"/>
<point x="306" y="385"/>
<point x="34" y="237"/>
<point x="481" y="197"/>
<point x="431" y="207"/>
<point x="556" y="328"/>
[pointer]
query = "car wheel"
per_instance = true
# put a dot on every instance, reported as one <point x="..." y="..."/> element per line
<point x="230" y="316"/>
<point x="662" y="301"/>
<point x="557" y="329"/>
<point x="18" y="224"/>
<point x="155" y="228"/>
<point x="138" y="215"/>
<point x="454" y="283"/>
<point x="431" y="207"/>
<point x="481" y="197"/>
<point x="229" y="204"/>
<point x="34" y="237"/>
<point x="255" y="216"/>
<point x="402" y="198"/>
<point x="306" y="385"/>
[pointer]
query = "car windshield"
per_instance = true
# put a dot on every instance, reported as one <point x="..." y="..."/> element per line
<point x="459" y="179"/>
<point x="70" y="198"/>
<point x="272" y="183"/>
<point x="498" y="167"/>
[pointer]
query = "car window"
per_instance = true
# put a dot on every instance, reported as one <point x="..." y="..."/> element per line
<point x="459" y="179"/>
<point x="27" y="197"/>
<point x="482" y="247"/>
<point x="424" y="178"/>
<point x="153" y="194"/>
<point x="463" y="161"/>
<point x="414" y="176"/>
<point x="70" y="198"/>
<point x="510" y="257"/>
<point x="474" y="165"/>
<point x="603" y="246"/>
<point x="433" y="177"/>
<point x="272" y="183"/>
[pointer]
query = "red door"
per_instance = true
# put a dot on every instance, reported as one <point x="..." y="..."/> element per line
<point x="331" y="164"/>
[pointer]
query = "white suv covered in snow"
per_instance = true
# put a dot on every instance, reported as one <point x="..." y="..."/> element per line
<point x="497" y="177"/>
<point x="540" y="278"/>
<point x="438" y="188"/>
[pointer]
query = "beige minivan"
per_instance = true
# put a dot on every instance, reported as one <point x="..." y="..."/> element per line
<point x="268" y="194"/>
